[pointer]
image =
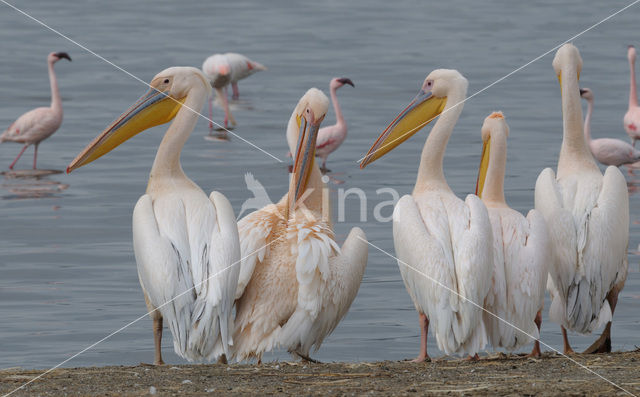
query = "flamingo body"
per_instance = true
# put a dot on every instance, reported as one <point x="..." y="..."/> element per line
<point x="331" y="137"/>
<point x="632" y="117"/>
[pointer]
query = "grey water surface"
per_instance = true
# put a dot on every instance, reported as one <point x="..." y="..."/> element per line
<point x="67" y="271"/>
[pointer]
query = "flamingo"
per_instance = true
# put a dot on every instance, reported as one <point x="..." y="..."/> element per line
<point x="607" y="151"/>
<point x="331" y="137"/>
<point x="632" y="117"/>
<point x="225" y="69"/>
<point x="444" y="245"/>
<point x="587" y="215"/>
<point x="38" y="124"/>
<point x="521" y="251"/>
<point x="186" y="244"/>
<point x="296" y="283"/>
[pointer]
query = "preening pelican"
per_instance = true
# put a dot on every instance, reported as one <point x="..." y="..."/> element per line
<point x="632" y="117"/>
<point x="435" y="233"/>
<point x="186" y="244"/>
<point x="588" y="220"/>
<point x="296" y="283"/>
<point x="331" y="137"/>
<point x="38" y="124"/>
<point x="607" y="151"/>
<point x="521" y="250"/>
<point x="225" y="69"/>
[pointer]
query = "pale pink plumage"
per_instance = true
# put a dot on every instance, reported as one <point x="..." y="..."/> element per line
<point x="607" y="151"/>
<point x="38" y="124"/>
<point x="632" y="117"/>
<point x="331" y="137"/>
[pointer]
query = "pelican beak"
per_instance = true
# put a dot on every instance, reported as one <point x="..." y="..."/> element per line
<point x="421" y="111"/>
<point x="484" y="166"/>
<point x="153" y="108"/>
<point x="304" y="157"/>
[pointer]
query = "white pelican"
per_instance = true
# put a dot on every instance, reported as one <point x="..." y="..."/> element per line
<point x="521" y="250"/>
<point x="435" y="233"/>
<point x="607" y="151"/>
<point x="38" y="124"/>
<point x="632" y="117"/>
<point x="296" y="283"/>
<point x="186" y="244"/>
<point x="588" y="220"/>
<point x="331" y="137"/>
<point x="225" y="69"/>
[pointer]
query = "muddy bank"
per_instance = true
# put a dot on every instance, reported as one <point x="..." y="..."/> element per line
<point x="496" y="375"/>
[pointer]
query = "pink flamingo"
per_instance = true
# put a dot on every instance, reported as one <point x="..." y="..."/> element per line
<point x="632" y="117"/>
<point x="331" y="137"/>
<point x="38" y="124"/>
<point x="225" y="69"/>
<point x="607" y="151"/>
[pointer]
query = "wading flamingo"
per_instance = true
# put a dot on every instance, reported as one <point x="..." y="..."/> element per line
<point x="521" y="251"/>
<point x="331" y="137"/>
<point x="186" y="244"/>
<point x="444" y="245"/>
<point x="296" y="283"/>
<point x="225" y="69"/>
<point x="38" y="124"/>
<point x="632" y="117"/>
<point x="588" y="220"/>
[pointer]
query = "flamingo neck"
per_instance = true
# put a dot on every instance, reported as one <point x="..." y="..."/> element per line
<point x="167" y="161"/>
<point x="574" y="154"/>
<point x="493" y="190"/>
<point x="633" y="94"/>
<point x="587" y="121"/>
<point x="56" y="101"/>
<point x="430" y="172"/>
<point x="336" y="107"/>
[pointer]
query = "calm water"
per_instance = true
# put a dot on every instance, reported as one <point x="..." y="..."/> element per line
<point x="67" y="271"/>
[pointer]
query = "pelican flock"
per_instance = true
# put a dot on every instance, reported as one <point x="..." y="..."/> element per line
<point x="331" y="137"/>
<point x="186" y="243"/>
<point x="38" y="124"/>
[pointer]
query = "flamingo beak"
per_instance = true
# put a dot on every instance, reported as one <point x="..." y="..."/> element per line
<point x="64" y="55"/>
<point x="484" y="166"/>
<point x="421" y="111"/>
<point x="345" y="80"/>
<point x="153" y="108"/>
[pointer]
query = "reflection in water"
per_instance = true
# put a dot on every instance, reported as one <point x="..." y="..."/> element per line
<point x="25" y="184"/>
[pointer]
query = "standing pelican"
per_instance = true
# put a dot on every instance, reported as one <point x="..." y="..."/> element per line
<point x="607" y="151"/>
<point x="521" y="250"/>
<point x="632" y="117"/>
<point x="444" y="244"/>
<point x="38" y="124"/>
<point x="225" y="69"/>
<point x="331" y="137"/>
<point x="296" y="283"/>
<point x="588" y="220"/>
<point x="186" y="244"/>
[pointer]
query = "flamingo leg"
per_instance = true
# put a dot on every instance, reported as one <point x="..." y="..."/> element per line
<point x="236" y="92"/>
<point x="565" y="339"/>
<point x="19" y="154"/>
<point x="35" y="155"/>
<point x="210" y="113"/>
<point x="536" y="345"/>
<point x="603" y="343"/>
<point x="424" y="329"/>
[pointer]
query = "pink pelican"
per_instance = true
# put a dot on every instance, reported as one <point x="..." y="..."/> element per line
<point x="296" y="283"/>
<point x="225" y="69"/>
<point x="632" y="117"/>
<point x="38" y="124"/>
<point x="607" y="151"/>
<point x="331" y="137"/>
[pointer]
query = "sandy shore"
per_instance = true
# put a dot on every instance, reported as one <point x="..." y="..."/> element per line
<point x="513" y="375"/>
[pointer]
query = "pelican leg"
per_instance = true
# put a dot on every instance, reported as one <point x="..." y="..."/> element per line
<point x="567" y="347"/>
<point x="157" y="330"/>
<point x="475" y="357"/>
<point x="536" y="345"/>
<point x="35" y="155"/>
<point x="603" y="343"/>
<point x="236" y="92"/>
<point x="424" y="329"/>
<point x="19" y="154"/>
<point x="306" y="358"/>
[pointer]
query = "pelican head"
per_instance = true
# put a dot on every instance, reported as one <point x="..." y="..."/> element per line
<point x="493" y="124"/>
<point x="426" y="106"/>
<point x="309" y="113"/>
<point x="567" y="60"/>
<point x="631" y="54"/>
<point x="168" y="91"/>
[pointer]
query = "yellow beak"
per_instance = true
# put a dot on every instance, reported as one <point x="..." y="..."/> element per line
<point x="484" y="166"/>
<point x="152" y="109"/>
<point x="421" y="111"/>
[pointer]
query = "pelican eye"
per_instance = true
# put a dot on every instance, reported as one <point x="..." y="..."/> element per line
<point x="166" y="81"/>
